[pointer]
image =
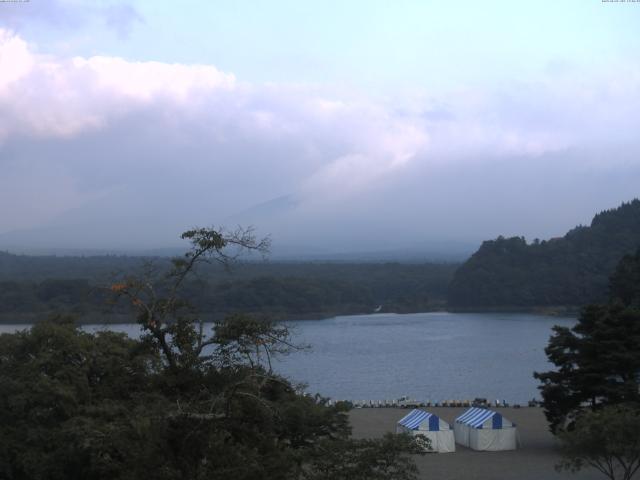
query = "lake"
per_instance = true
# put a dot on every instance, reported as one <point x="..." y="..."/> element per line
<point x="427" y="356"/>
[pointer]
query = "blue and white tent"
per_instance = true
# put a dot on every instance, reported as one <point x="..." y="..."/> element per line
<point x="483" y="429"/>
<point x="419" y="422"/>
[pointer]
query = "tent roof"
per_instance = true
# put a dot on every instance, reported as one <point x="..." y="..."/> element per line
<point x="475" y="417"/>
<point x="415" y="418"/>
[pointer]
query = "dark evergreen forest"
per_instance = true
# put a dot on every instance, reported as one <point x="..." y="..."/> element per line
<point x="32" y="286"/>
<point x="504" y="274"/>
<point x="569" y="271"/>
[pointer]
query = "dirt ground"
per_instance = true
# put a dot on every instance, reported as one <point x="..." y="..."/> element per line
<point x="534" y="460"/>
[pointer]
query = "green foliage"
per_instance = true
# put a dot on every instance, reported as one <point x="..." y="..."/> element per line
<point x="66" y="400"/>
<point x="282" y="290"/>
<point x="607" y="440"/>
<point x="625" y="282"/>
<point x="75" y="405"/>
<point x="598" y="360"/>
<point x="180" y="403"/>
<point x="598" y="363"/>
<point x="572" y="270"/>
<point x="385" y="459"/>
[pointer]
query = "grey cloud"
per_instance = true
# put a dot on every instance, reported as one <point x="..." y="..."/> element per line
<point x="136" y="153"/>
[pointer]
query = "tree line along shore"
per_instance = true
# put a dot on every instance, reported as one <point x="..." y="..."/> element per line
<point x="190" y="402"/>
<point x="555" y="276"/>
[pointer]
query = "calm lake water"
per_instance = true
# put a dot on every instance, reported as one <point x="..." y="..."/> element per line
<point x="427" y="356"/>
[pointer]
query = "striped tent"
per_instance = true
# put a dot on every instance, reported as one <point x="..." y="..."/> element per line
<point x="419" y="422"/>
<point x="483" y="429"/>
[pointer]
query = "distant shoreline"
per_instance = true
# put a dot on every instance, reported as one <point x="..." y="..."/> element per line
<point x="28" y="318"/>
<point x="549" y="310"/>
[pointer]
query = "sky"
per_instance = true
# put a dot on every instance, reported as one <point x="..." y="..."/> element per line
<point x="332" y="126"/>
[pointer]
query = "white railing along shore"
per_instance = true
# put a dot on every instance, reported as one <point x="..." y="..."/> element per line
<point x="406" y="402"/>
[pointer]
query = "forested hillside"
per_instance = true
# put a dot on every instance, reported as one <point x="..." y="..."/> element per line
<point x="40" y="285"/>
<point x="568" y="271"/>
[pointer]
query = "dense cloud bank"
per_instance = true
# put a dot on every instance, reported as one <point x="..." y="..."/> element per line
<point x="94" y="147"/>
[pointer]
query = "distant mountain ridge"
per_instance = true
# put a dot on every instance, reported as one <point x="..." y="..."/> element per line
<point x="569" y="271"/>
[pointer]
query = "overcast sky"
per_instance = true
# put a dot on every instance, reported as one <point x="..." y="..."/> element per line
<point x="332" y="125"/>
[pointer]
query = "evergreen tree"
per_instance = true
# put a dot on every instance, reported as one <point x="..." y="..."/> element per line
<point x="569" y="271"/>
<point x="598" y="360"/>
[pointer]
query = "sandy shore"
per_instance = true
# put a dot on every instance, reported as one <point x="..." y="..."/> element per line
<point x="535" y="459"/>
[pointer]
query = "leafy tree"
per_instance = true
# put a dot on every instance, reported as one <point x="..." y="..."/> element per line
<point x="180" y="403"/>
<point x="366" y="459"/>
<point x="166" y="318"/>
<point x="607" y="440"/>
<point x="69" y="400"/>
